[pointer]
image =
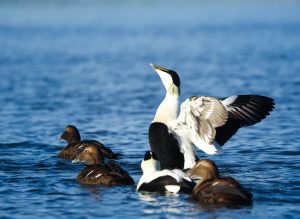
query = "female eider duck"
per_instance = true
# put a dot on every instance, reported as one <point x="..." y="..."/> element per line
<point x="162" y="181"/>
<point x="215" y="190"/>
<point x="75" y="145"/>
<point x="205" y="122"/>
<point x="98" y="173"/>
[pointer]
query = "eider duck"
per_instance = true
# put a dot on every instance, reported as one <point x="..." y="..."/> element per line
<point x="206" y="122"/>
<point x="98" y="173"/>
<point x="215" y="190"/>
<point x="162" y="181"/>
<point x="75" y="145"/>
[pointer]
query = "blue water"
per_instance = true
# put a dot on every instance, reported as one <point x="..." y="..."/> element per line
<point x="87" y="64"/>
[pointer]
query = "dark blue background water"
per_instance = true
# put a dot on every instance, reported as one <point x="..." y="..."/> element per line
<point x="87" y="64"/>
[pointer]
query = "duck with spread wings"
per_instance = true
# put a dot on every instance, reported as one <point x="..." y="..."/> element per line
<point x="204" y="121"/>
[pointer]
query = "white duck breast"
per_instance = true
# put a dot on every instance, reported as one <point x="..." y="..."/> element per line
<point x="206" y="122"/>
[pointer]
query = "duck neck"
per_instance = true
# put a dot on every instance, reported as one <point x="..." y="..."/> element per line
<point x="167" y="110"/>
<point x="150" y="166"/>
<point x="210" y="175"/>
<point x="74" y="141"/>
<point x="149" y="171"/>
<point x="74" y="138"/>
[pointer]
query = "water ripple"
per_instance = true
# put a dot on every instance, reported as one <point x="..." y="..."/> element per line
<point x="58" y="68"/>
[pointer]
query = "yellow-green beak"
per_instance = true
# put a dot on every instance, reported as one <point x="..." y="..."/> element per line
<point x="156" y="67"/>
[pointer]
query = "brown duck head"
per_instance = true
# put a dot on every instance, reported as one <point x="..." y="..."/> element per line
<point x="205" y="169"/>
<point x="71" y="134"/>
<point x="91" y="155"/>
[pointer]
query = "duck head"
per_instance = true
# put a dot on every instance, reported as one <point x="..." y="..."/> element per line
<point x="204" y="169"/>
<point x="150" y="163"/>
<point x="169" y="78"/>
<point x="71" y="134"/>
<point x="91" y="155"/>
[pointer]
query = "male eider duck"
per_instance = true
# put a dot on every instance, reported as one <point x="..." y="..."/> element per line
<point x="215" y="190"/>
<point x="162" y="181"/>
<point x="75" y="145"/>
<point x="205" y="122"/>
<point x="98" y="173"/>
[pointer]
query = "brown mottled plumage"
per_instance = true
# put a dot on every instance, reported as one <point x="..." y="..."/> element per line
<point x="106" y="174"/>
<point x="215" y="190"/>
<point x="98" y="173"/>
<point x="75" y="146"/>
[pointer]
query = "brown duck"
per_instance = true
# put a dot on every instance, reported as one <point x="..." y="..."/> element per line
<point x="215" y="190"/>
<point x="76" y="146"/>
<point x="98" y="173"/>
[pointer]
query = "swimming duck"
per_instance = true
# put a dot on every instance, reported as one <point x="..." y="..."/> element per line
<point x="75" y="145"/>
<point x="98" y="173"/>
<point x="162" y="181"/>
<point x="203" y="121"/>
<point x="215" y="190"/>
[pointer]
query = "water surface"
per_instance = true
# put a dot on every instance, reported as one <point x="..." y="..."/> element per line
<point x="87" y="65"/>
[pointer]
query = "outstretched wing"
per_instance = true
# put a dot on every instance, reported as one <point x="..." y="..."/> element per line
<point x="243" y="110"/>
<point x="198" y="119"/>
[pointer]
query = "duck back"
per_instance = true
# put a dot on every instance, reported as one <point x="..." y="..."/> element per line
<point x="225" y="191"/>
<point x="73" y="150"/>
<point x="105" y="174"/>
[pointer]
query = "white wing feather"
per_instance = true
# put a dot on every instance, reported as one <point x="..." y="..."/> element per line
<point x="197" y="122"/>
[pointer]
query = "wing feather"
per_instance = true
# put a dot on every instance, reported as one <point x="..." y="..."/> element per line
<point x="243" y="110"/>
<point x="199" y="117"/>
<point x="207" y="128"/>
<point x="205" y="121"/>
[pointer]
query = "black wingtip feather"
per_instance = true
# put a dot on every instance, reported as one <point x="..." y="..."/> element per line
<point x="245" y="110"/>
<point x="251" y="109"/>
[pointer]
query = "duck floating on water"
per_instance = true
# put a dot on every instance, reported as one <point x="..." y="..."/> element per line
<point x="162" y="181"/>
<point x="215" y="190"/>
<point x="206" y="122"/>
<point x="76" y="146"/>
<point x="98" y="173"/>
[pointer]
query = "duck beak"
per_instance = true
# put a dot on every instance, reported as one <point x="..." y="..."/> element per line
<point x="191" y="172"/>
<point x="156" y="67"/>
<point x="153" y="66"/>
<point x="193" y="176"/>
<point x="61" y="137"/>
